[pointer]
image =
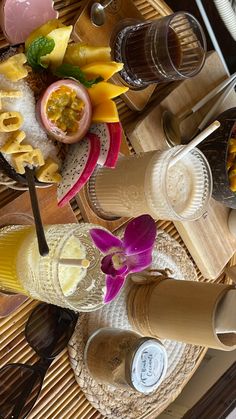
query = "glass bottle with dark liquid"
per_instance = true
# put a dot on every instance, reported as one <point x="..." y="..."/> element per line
<point x="167" y="49"/>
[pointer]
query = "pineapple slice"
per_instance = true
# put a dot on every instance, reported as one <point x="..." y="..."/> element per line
<point x="105" y="70"/>
<point x="61" y="38"/>
<point x="105" y="112"/>
<point x="43" y="30"/>
<point x="20" y="160"/>
<point x="82" y="54"/>
<point x="48" y="172"/>
<point x="103" y="91"/>
<point x="13" y="68"/>
<point x="13" y="144"/>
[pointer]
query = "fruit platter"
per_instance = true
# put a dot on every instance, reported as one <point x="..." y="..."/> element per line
<point x="58" y="115"/>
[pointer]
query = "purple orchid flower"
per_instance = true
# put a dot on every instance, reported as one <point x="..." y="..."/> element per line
<point x="133" y="253"/>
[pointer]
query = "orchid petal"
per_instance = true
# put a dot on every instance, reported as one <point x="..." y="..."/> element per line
<point x="140" y="235"/>
<point x="113" y="287"/>
<point x="104" y="240"/>
<point x="139" y="262"/>
<point x="108" y="267"/>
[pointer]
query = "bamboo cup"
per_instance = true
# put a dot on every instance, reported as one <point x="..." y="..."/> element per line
<point x="179" y="310"/>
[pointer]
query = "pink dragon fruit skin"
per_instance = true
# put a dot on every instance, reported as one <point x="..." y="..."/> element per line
<point x="18" y="18"/>
<point x="110" y="135"/>
<point x="77" y="168"/>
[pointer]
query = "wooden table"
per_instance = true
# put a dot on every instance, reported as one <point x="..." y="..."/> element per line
<point x="61" y="397"/>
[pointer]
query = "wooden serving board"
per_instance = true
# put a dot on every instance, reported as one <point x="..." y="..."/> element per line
<point x="208" y="239"/>
<point x="19" y="212"/>
<point x="86" y="32"/>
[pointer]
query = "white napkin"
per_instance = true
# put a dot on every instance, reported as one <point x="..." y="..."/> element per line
<point x="225" y="321"/>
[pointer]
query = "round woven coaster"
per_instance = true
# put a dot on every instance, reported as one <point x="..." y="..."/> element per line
<point x="118" y="403"/>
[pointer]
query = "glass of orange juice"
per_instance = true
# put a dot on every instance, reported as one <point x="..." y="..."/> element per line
<point x="69" y="276"/>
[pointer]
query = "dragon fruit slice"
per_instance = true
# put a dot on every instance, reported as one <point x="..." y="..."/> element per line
<point x="110" y="137"/>
<point x="77" y="168"/>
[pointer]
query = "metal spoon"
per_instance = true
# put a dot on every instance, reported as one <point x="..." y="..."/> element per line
<point x="42" y="244"/>
<point x="97" y="12"/>
<point x="171" y="123"/>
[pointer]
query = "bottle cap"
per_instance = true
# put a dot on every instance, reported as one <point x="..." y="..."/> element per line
<point x="148" y="365"/>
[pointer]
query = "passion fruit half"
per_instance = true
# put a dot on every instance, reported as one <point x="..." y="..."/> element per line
<point x="65" y="111"/>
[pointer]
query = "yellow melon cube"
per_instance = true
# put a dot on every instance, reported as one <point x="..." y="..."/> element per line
<point x="103" y="91"/>
<point x="82" y="54"/>
<point x="105" y="112"/>
<point x="105" y="70"/>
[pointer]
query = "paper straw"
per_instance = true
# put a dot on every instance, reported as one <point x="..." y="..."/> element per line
<point x="84" y="263"/>
<point x="197" y="140"/>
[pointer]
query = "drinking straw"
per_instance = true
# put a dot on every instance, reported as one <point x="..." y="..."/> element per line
<point x="197" y="140"/>
<point x="84" y="263"/>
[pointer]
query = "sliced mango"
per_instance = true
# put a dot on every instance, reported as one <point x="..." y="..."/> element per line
<point x="43" y="30"/>
<point x="48" y="172"/>
<point x="13" y="68"/>
<point x="105" y="70"/>
<point x="13" y="144"/>
<point x="61" y="38"/>
<point x="103" y="91"/>
<point x="82" y="54"/>
<point x="105" y="112"/>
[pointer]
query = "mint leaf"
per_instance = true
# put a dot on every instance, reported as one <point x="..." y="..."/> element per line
<point x="68" y="70"/>
<point x="40" y="47"/>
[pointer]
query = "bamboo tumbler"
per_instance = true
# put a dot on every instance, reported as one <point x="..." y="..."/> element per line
<point x="180" y="310"/>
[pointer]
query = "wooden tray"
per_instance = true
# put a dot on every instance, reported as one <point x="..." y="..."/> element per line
<point x="208" y="239"/>
<point x="61" y="397"/>
<point x="86" y="32"/>
<point x="19" y="212"/>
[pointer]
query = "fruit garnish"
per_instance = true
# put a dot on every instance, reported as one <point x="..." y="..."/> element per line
<point x="105" y="112"/>
<point x="43" y="30"/>
<point x="40" y="47"/>
<point x="13" y="68"/>
<point x="104" y="90"/>
<point x="82" y="54"/>
<point x="103" y="69"/>
<point x="65" y="111"/>
<point x="20" y="18"/>
<point x="110" y="140"/>
<point x="68" y="70"/>
<point x="48" y="172"/>
<point x="79" y="164"/>
<point x="61" y="38"/>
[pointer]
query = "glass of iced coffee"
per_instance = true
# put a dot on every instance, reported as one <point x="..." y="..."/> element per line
<point x="149" y="184"/>
<point x="162" y="50"/>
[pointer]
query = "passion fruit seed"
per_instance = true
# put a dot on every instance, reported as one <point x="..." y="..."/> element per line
<point x="65" y="109"/>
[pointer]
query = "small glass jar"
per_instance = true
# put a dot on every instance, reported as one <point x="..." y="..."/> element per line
<point x="125" y="359"/>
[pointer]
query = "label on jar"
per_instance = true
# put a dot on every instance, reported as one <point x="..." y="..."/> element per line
<point x="149" y="366"/>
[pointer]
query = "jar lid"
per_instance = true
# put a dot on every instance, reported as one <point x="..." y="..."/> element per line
<point x="148" y="365"/>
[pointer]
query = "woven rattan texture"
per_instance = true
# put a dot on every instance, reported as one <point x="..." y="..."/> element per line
<point x="61" y="397"/>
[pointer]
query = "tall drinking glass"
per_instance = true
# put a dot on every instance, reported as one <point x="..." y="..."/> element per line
<point x="148" y="183"/>
<point x="69" y="276"/>
<point x="166" y="49"/>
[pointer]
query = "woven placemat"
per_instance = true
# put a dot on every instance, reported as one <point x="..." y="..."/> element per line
<point x="182" y="358"/>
